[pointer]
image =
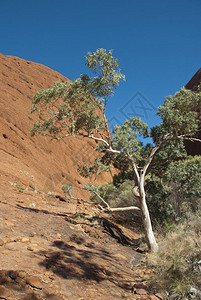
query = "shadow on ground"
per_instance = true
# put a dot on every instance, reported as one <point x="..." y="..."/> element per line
<point x="92" y="263"/>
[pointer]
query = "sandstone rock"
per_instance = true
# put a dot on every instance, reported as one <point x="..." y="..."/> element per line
<point x="21" y="274"/>
<point x="25" y="240"/>
<point x="141" y="292"/>
<point x="152" y="297"/>
<point x="2" y="277"/>
<point x="4" y="292"/>
<point x="30" y="296"/>
<point x="30" y="248"/>
<point x="20" y="281"/>
<point x="13" y="274"/>
<point x="35" y="282"/>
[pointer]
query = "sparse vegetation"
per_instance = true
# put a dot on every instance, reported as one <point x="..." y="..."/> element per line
<point x="177" y="262"/>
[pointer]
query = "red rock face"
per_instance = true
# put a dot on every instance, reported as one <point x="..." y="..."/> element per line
<point x="195" y="81"/>
<point x="194" y="148"/>
<point x="37" y="161"/>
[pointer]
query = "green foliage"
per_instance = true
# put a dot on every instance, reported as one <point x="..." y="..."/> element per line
<point x="91" y="188"/>
<point x="126" y="139"/>
<point x="188" y="174"/>
<point x="71" y="107"/>
<point x="65" y="108"/>
<point x="176" y="194"/>
<point x="95" y="169"/>
<point x="180" y="115"/>
<point x="106" y="67"/>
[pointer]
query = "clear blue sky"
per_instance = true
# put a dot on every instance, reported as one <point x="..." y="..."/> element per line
<point x="157" y="43"/>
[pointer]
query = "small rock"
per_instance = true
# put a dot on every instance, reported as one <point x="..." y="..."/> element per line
<point x="30" y="249"/>
<point x="9" y="223"/>
<point x="4" y="292"/>
<point x="13" y="274"/>
<point x="152" y="297"/>
<point x="31" y="234"/>
<point x="25" y="240"/>
<point x="141" y="292"/>
<point x="53" y="255"/>
<point x="3" y="277"/>
<point x="21" y="274"/>
<point x="1" y="242"/>
<point x="34" y="282"/>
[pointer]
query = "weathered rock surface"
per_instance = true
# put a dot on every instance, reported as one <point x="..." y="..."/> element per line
<point x="35" y="163"/>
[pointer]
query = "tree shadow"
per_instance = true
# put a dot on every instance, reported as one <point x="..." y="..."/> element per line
<point x="44" y="211"/>
<point x="83" y="219"/>
<point x="92" y="263"/>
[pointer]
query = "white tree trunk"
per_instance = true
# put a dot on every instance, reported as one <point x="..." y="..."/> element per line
<point x="150" y="238"/>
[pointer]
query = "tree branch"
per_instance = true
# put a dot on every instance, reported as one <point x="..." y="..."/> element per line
<point x="192" y="139"/>
<point x="153" y="151"/>
<point x="95" y="193"/>
<point x="108" y="208"/>
<point x="122" y="208"/>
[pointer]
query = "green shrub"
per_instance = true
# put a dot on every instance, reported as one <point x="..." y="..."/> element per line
<point x="177" y="195"/>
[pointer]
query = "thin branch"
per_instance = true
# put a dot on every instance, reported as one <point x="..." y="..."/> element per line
<point x="122" y="208"/>
<point x="66" y="135"/>
<point x="83" y="135"/>
<point x="97" y="139"/>
<point x="129" y="156"/>
<point x="192" y="139"/>
<point x="108" y="208"/>
<point x="149" y="160"/>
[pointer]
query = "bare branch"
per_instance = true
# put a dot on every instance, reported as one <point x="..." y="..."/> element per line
<point x="134" y="166"/>
<point x="97" y="139"/>
<point x="66" y="135"/>
<point x="108" y="208"/>
<point x="113" y="151"/>
<point x="122" y="208"/>
<point x="192" y="139"/>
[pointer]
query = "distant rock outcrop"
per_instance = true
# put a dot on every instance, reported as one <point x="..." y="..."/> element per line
<point x="37" y="162"/>
<point x="194" y="148"/>
<point x="195" y="81"/>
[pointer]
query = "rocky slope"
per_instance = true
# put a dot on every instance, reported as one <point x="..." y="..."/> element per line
<point x="37" y="162"/>
<point x="51" y="247"/>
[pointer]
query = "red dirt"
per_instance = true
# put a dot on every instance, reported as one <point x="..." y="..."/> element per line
<point x="51" y="249"/>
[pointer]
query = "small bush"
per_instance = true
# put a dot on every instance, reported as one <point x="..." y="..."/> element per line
<point x="176" y="262"/>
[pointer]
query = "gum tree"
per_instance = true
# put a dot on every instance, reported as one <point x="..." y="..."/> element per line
<point x="78" y="109"/>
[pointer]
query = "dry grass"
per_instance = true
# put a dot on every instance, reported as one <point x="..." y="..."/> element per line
<point x="175" y="263"/>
